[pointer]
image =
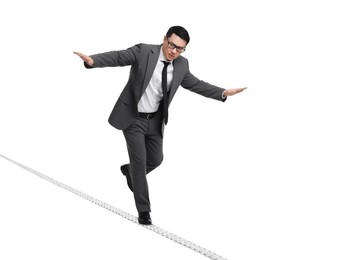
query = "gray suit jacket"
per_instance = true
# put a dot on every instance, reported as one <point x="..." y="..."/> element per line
<point x="143" y="59"/>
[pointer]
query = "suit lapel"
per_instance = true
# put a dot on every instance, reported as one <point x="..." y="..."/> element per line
<point x="176" y="81"/>
<point x="151" y="63"/>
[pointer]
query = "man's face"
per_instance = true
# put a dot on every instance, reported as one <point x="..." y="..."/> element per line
<point x="173" y="47"/>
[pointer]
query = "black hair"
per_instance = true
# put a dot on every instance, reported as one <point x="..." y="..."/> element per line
<point x="179" y="31"/>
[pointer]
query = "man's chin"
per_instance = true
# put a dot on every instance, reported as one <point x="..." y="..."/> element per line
<point x="171" y="58"/>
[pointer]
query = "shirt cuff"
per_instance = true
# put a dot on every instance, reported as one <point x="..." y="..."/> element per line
<point x="87" y="66"/>
<point x="223" y="97"/>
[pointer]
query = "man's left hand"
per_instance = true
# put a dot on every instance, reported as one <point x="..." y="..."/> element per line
<point x="232" y="91"/>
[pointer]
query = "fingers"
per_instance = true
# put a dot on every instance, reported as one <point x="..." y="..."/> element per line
<point x="85" y="58"/>
<point x="78" y="53"/>
<point x="233" y="91"/>
<point x="81" y="55"/>
<point x="241" y="90"/>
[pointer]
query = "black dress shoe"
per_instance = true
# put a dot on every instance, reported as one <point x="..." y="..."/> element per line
<point x="144" y="218"/>
<point x="124" y="169"/>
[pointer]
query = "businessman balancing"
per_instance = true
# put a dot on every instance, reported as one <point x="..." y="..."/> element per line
<point x="141" y="110"/>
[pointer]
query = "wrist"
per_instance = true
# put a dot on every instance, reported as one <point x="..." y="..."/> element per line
<point x="224" y="94"/>
<point x="90" y="62"/>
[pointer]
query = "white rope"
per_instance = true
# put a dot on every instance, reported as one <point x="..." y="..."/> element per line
<point x="156" y="229"/>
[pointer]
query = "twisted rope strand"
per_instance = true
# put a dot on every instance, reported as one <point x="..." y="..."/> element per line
<point x="126" y="215"/>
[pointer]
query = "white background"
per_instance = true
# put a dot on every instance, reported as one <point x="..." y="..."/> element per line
<point x="273" y="173"/>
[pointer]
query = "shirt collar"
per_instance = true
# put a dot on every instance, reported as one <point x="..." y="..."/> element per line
<point x="161" y="56"/>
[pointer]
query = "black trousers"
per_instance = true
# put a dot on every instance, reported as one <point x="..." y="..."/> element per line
<point x="145" y="147"/>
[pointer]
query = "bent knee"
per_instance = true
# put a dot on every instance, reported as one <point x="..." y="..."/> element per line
<point x="158" y="162"/>
<point x="155" y="163"/>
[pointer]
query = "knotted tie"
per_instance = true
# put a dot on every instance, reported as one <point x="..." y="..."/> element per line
<point x="165" y="92"/>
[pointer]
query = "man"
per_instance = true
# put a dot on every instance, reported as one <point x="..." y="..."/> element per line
<point x="142" y="108"/>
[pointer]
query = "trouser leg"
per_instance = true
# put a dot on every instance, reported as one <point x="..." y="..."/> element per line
<point x="145" y="148"/>
<point x="135" y="140"/>
<point x="154" y="148"/>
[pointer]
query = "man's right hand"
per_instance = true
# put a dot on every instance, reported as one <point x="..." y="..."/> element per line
<point x="85" y="58"/>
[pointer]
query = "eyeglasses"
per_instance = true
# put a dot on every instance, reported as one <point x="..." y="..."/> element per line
<point x="172" y="46"/>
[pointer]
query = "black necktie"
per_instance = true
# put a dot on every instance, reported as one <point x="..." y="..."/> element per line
<point x="165" y="92"/>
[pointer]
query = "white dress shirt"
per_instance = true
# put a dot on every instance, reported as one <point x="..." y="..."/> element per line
<point x="153" y="94"/>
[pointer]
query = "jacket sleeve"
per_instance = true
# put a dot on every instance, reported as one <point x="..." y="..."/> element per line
<point x="203" y="88"/>
<point x="115" y="58"/>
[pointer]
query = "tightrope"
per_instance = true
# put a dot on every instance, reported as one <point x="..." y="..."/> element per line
<point x="128" y="216"/>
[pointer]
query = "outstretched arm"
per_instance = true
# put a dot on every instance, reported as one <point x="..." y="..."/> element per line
<point x="232" y="91"/>
<point x="112" y="58"/>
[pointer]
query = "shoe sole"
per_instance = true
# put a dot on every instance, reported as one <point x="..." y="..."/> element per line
<point x="142" y="222"/>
